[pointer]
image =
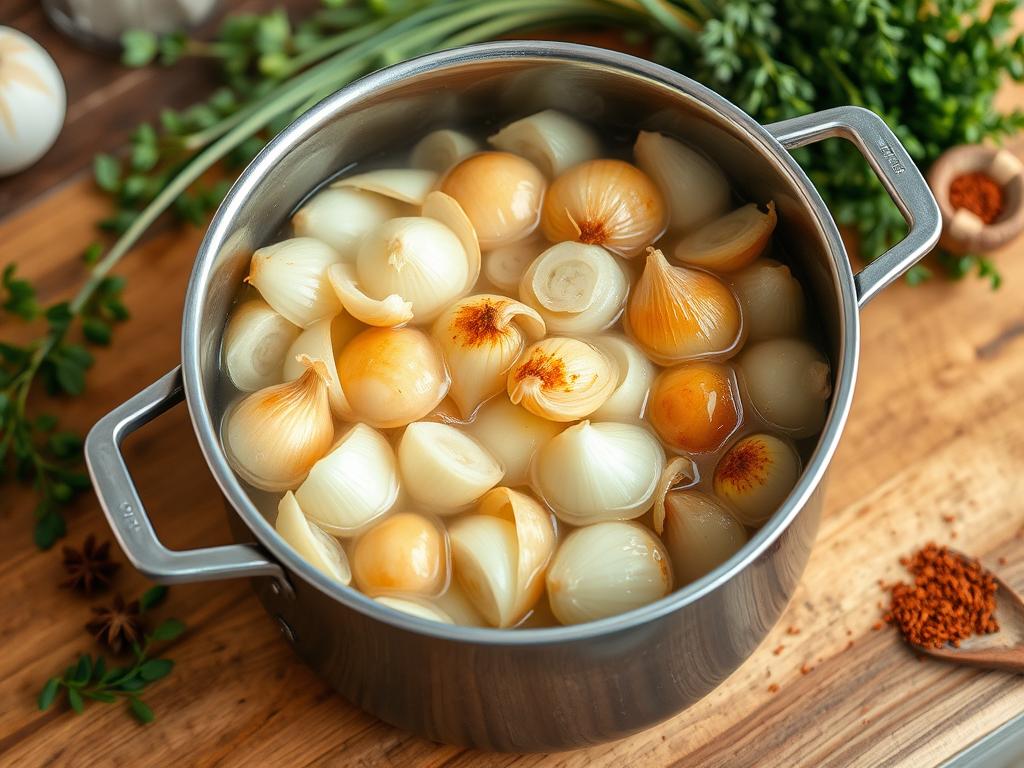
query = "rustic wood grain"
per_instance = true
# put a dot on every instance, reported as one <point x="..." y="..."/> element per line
<point x="937" y="429"/>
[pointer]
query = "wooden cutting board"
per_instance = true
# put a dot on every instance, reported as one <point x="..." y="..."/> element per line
<point x="934" y="449"/>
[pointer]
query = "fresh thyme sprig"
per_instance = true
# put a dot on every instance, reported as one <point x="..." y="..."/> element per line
<point x="90" y="678"/>
<point x="32" y="448"/>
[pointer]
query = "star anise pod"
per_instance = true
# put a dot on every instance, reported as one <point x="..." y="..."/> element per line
<point x="118" y="625"/>
<point x="89" y="569"/>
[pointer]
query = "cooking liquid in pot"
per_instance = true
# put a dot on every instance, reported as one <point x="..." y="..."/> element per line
<point x="602" y="415"/>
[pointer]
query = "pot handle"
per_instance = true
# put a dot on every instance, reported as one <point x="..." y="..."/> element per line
<point x="128" y="520"/>
<point x="894" y="168"/>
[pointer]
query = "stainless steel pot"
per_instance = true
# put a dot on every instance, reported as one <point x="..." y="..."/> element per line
<point x="520" y="690"/>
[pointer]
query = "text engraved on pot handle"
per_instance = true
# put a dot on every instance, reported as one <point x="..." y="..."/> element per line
<point x="898" y="174"/>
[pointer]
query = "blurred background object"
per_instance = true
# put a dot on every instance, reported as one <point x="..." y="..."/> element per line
<point x="980" y="191"/>
<point x="32" y="101"/>
<point x="100" y="23"/>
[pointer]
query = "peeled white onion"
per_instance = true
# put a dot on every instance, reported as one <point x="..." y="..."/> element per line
<point x="676" y="313"/>
<point x="417" y="258"/>
<point x="700" y="534"/>
<point x="356" y="482"/>
<point x="445" y="209"/>
<point x="562" y="379"/>
<point x="404" y="554"/>
<point x="256" y="343"/>
<point x="755" y="476"/>
<point x="341" y="216"/>
<point x="409" y="185"/>
<point x="771" y="298"/>
<point x="443" y="467"/>
<point x="598" y="471"/>
<point x="499" y="555"/>
<point x="440" y="150"/>
<point x="504" y="267"/>
<point x="272" y="437"/>
<point x="512" y="435"/>
<point x="322" y="341"/>
<point x="730" y="242"/>
<point x="606" y="569"/>
<point x="392" y="376"/>
<point x="314" y="546"/>
<point x="680" y="472"/>
<point x="604" y="202"/>
<point x="576" y="288"/>
<point x="456" y="604"/>
<point x="695" y="189"/>
<point x="292" y="277"/>
<point x="500" y="192"/>
<point x="387" y="312"/>
<point x="417" y="608"/>
<point x="789" y="384"/>
<point x="551" y="140"/>
<point x="481" y="337"/>
<point x="636" y="374"/>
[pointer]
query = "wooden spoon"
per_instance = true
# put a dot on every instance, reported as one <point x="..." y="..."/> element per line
<point x="1000" y="650"/>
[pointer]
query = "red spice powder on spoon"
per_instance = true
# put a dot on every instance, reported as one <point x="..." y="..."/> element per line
<point x="952" y="598"/>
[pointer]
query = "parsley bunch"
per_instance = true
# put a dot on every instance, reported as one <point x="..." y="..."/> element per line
<point x="931" y="70"/>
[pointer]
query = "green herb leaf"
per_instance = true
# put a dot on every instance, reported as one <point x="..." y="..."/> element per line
<point x="49" y="693"/>
<point x="152" y="597"/>
<point x="169" y="629"/>
<point x="49" y="526"/>
<point x="97" y="331"/>
<point x="139" y="48"/>
<point x="92" y="253"/>
<point x="83" y="670"/>
<point x="131" y="684"/>
<point x="75" y="700"/>
<point x="145" y="148"/>
<point x="107" y="172"/>
<point x="19" y="297"/>
<point x="154" y="669"/>
<point x="141" y="711"/>
<point x="106" y="698"/>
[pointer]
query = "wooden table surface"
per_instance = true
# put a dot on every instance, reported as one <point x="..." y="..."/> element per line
<point x="936" y="434"/>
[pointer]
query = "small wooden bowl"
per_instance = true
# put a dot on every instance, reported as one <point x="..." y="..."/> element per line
<point x="962" y="230"/>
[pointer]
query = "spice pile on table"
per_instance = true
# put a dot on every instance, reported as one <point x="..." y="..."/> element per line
<point x="952" y="597"/>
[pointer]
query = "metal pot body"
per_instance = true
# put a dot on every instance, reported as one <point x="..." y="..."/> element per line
<point x="517" y="690"/>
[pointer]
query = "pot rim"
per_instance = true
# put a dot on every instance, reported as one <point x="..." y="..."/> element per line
<point x="222" y="225"/>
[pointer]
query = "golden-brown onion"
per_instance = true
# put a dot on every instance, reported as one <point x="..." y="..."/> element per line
<point x="730" y="242"/>
<point x="501" y="194"/>
<point x="694" y="406"/>
<point x="405" y="553"/>
<point x="604" y="202"/>
<point x="676" y="313"/>
<point x="392" y="376"/>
